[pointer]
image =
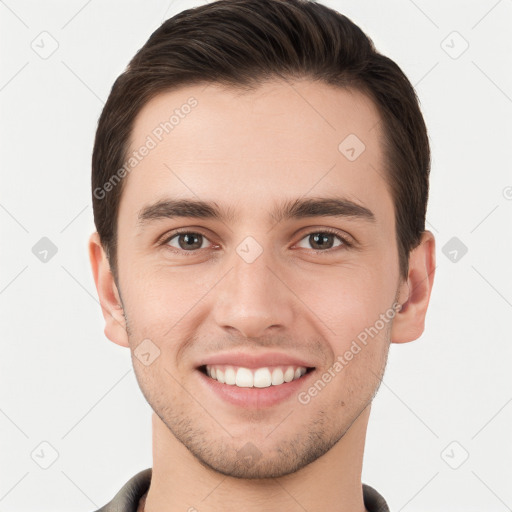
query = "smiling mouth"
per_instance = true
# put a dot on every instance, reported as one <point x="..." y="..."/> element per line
<point x="264" y="377"/>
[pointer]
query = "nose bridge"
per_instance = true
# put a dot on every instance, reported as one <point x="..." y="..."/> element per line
<point x="251" y="298"/>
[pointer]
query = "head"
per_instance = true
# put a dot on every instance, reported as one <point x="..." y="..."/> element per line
<point x="254" y="126"/>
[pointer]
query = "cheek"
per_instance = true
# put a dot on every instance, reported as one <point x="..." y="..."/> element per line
<point x="158" y="299"/>
<point x="351" y="302"/>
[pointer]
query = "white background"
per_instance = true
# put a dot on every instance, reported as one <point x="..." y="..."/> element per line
<point x="64" y="383"/>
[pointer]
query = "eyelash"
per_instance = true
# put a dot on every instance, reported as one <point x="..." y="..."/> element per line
<point x="167" y="238"/>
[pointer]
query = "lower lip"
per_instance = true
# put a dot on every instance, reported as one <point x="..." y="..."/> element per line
<point x="249" y="398"/>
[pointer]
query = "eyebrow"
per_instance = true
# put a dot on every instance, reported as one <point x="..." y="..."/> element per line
<point x="290" y="209"/>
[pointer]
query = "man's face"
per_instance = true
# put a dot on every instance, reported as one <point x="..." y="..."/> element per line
<point x="307" y="294"/>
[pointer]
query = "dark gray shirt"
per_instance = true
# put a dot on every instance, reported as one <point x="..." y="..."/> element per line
<point x="127" y="499"/>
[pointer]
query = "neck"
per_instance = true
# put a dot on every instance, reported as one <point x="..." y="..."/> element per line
<point x="331" y="482"/>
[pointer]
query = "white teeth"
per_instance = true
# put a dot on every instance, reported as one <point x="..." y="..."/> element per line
<point x="262" y="378"/>
<point x="244" y="378"/>
<point x="289" y="374"/>
<point x="230" y="376"/>
<point x="259" y="378"/>
<point x="277" y="377"/>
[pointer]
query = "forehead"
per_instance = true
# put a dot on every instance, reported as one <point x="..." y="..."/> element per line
<point x="250" y="149"/>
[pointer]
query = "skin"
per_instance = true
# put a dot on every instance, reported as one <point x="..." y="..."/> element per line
<point x="249" y="152"/>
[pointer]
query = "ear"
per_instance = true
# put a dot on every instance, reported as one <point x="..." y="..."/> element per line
<point x="110" y="301"/>
<point x="414" y="293"/>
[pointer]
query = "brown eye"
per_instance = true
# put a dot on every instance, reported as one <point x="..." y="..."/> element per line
<point x="323" y="241"/>
<point x="187" y="241"/>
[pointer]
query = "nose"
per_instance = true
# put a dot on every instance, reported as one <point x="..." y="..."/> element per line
<point x="253" y="298"/>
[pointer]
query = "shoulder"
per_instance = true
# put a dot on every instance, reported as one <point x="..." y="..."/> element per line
<point x="127" y="498"/>
<point x="373" y="501"/>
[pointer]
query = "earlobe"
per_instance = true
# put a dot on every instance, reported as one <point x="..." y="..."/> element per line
<point x="409" y="322"/>
<point x="108" y="294"/>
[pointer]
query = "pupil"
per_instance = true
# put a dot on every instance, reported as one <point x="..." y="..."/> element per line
<point x="190" y="240"/>
<point x="321" y="239"/>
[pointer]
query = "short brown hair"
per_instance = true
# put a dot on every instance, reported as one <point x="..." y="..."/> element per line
<point x="243" y="43"/>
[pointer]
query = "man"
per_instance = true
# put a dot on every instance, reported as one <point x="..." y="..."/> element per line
<point x="260" y="182"/>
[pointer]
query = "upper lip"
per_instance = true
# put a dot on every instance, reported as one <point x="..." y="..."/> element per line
<point x="253" y="361"/>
